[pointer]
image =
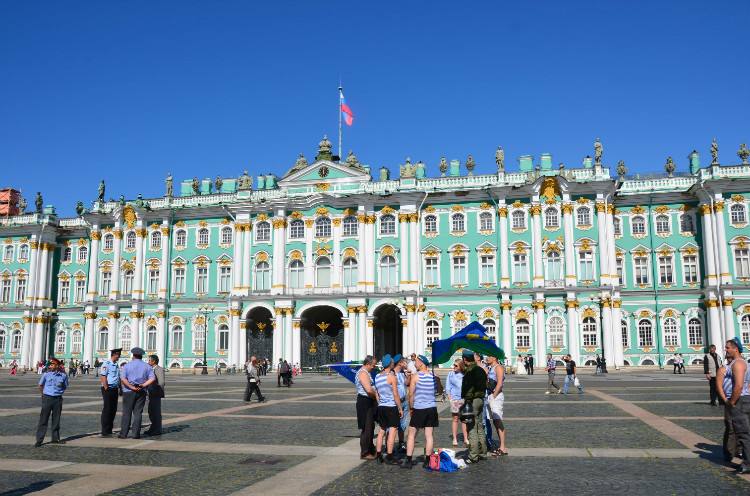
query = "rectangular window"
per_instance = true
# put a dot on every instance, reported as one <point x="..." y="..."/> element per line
<point x="80" y="290"/>
<point x="178" y="285"/>
<point x="665" y="270"/>
<point x="640" y="267"/>
<point x="459" y="270"/>
<point x="64" y="292"/>
<point x="5" y="291"/>
<point x="21" y="291"/>
<point x="620" y="267"/>
<point x="201" y="280"/>
<point x="153" y="281"/>
<point x="690" y="269"/>
<point x="431" y="272"/>
<point x="106" y="283"/>
<point x="520" y="268"/>
<point x="742" y="262"/>
<point x="586" y="265"/>
<point x="225" y="279"/>
<point x="487" y="270"/>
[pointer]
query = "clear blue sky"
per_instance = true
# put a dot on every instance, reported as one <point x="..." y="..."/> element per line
<point x="127" y="91"/>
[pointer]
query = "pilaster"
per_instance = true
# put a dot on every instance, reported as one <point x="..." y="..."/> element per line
<point x="570" y="260"/>
<point x="93" y="275"/>
<point x="503" y="255"/>
<point x="574" y="347"/>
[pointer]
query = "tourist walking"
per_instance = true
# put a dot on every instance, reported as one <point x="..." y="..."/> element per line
<point x="711" y="366"/>
<point x="13" y="367"/>
<point x="155" y="394"/>
<point x="97" y="366"/>
<point x="52" y="385"/>
<point x="531" y="364"/>
<point x="253" y="381"/>
<point x="675" y="363"/>
<point x="403" y="380"/>
<point x="550" y="368"/>
<point x="496" y="401"/>
<point x="390" y="410"/>
<point x="453" y="385"/>
<point x="109" y="377"/>
<point x="137" y="376"/>
<point x="598" y="369"/>
<point x="735" y="391"/>
<point x="473" y="390"/>
<point x="570" y="375"/>
<point x="366" y="408"/>
<point x="423" y="410"/>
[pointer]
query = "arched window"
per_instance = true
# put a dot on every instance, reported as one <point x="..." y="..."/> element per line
<point x="671" y="335"/>
<point x="554" y="265"/>
<point x="109" y="242"/>
<point x="518" y="219"/>
<point x="350" y="225"/>
<point x="75" y="342"/>
<point x="296" y="274"/>
<point x="23" y="252"/>
<point x="458" y="223"/>
<point x="203" y="236"/>
<point x="388" y="273"/>
<point x="555" y="332"/>
<point x="323" y="272"/>
<point x="199" y="337"/>
<point x="155" y="240"/>
<point x="262" y="276"/>
<point x="645" y="334"/>
<point x="67" y="254"/>
<point x="551" y="219"/>
<point x="15" y="341"/>
<point x="745" y="329"/>
<point x="485" y="222"/>
<point x="624" y="334"/>
<point x="103" y="339"/>
<point x="223" y="342"/>
<point x="60" y="342"/>
<point x="180" y="238"/>
<point x="458" y="325"/>
<point x="125" y="337"/>
<point x="350" y="273"/>
<point x="322" y="227"/>
<point x="226" y="235"/>
<point x="432" y="331"/>
<point x="178" y="336"/>
<point x="491" y="327"/>
<point x="662" y="224"/>
<point x="83" y="254"/>
<point x="686" y="223"/>
<point x="583" y="217"/>
<point x="523" y="334"/>
<point x="695" y="332"/>
<point x="130" y="240"/>
<point x="151" y="338"/>
<point x="263" y="231"/>
<point x="387" y="225"/>
<point x="430" y="224"/>
<point x="297" y="229"/>
<point x="127" y="282"/>
<point x="590" y="335"/>
<point x="638" y="224"/>
<point x="738" y="214"/>
<point x="2" y="340"/>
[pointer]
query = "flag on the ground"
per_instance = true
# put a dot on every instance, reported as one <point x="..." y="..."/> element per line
<point x="348" y="114"/>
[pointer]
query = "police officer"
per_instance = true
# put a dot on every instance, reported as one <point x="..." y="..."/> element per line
<point x="137" y="376"/>
<point x="52" y="385"/>
<point x="109" y="376"/>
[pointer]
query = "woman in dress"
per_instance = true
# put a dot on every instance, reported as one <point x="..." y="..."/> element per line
<point x="520" y="366"/>
<point x="453" y="385"/>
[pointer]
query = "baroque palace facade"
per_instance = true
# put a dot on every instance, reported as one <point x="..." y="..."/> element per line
<point x="327" y="264"/>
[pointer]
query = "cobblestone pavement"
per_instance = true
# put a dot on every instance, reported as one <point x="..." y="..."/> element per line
<point x="304" y="440"/>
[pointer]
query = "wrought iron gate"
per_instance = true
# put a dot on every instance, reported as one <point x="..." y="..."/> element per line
<point x="321" y="344"/>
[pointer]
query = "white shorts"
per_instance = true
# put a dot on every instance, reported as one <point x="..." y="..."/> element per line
<point x="495" y="406"/>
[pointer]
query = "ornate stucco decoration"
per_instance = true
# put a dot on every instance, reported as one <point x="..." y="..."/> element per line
<point x="387" y="251"/>
<point x="637" y="210"/>
<point x="522" y="314"/>
<point x="128" y="215"/>
<point x="349" y="252"/>
<point x="550" y="189"/>
<point x="261" y="256"/>
<point x="386" y="210"/>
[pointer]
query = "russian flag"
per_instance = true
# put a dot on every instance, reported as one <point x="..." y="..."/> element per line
<point x="348" y="114"/>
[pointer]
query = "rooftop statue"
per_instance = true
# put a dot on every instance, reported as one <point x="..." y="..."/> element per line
<point x="170" y="187"/>
<point x="139" y="201"/>
<point x="443" y="166"/>
<point x="500" y="159"/>
<point x="324" y="149"/>
<point x="470" y="164"/>
<point x="743" y="153"/>
<point x="218" y="183"/>
<point x="244" y="181"/>
<point x="621" y="169"/>
<point x="101" y="190"/>
<point x="22" y="205"/>
<point x="669" y="166"/>
<point x="122" y="200"/>
<point x="196" y="186"/>
<point x="714" y="152"/>
<point x="598" y="152"/>
<point x="353" y="162"/>
<point x="408" y="170"/>
<point x="39" y="202"/>
<point x="80" y="208"/>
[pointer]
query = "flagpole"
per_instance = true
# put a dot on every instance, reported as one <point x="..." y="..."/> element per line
<point x="340" y="128"/>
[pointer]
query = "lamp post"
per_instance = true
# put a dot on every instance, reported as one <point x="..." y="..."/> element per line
<point x="205" y="310"/>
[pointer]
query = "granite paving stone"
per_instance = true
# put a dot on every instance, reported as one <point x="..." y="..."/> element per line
<point x="13" y="483"/>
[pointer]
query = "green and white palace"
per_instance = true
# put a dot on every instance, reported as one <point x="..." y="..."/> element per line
<point x="334" y="261"/>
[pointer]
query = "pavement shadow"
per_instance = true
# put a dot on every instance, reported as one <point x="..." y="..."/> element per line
<point x="30" y="488"/>
<point x="713" y="453"/>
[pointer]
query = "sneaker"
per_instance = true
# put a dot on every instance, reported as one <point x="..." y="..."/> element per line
<point x="406" y="463"/>
<point x="37" y="444"/>
<point x="368" y="456"/>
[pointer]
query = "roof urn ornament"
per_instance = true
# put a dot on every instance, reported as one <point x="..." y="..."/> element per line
<point x="245" y="181"/>
<point x="80" y="209"/>
<point x="39" y="202"/>
<point x="352" y="160"/>
<point x="743" y="153"/>
<point x="218" y="183"/>
<point x="169" y="183"/>
<point x="102" y="188"/>
<point x="443" y="166"/>
<point x="196" y="186"/>
<point x="324" y="149"/>
<point x="470" y="165"/>
<point x="669" y="166"/>
<point x="500" y="159"/>
<point x="598" y="152"/>
<point x="408" y="170"/>
<point x="714" y="152"/>
<point x="621" y="169"/>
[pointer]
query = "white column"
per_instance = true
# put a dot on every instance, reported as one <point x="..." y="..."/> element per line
<point x="536" y="245"/>
<point x="409" y="339"/>
<point x="504" y="274"/>
<point x="573" y="343"/>
<point x="404" y="245"/>
<point x="113" y="315"/>
<point x="507" y="344"/>
<point x="237" y="261"/>
<point x="369" y="344"/>
<point x="44" y="268"/>
<point x="362" y="252"/>
<point x="336" y="262"/>
<point x="166" y="267"/>
<point x="611" y="249"/>
<point x="93" y="276"/>
<point x="294" y="338"/>
<point x="40" y="326"/>
<point x="708" y="245"/>
<point x="721" y="242"/>
<point x="234" y="336"/>
<point x="609" y="342"/>
<point x="278" y="343"/>
<point x="349" y="329"/>
<point x="601" y="218"/>
<point x="278" y="327"/>
<point x="141" y="234"/>
<point x="89" y="331"/>
<point x="540" y="347"/>
<point x="278" y="247"/>
<point x="415" y="264"/>
<point x="570" y="257"/>
<point x="27" y="343"/>
<point x="33" y="274"/>
<point x="116" y="262"/>
<point x="309" y="274"/>
<point x="714" y="323"/>
<point x="616" y="328"/>
<point x="161" y="332"/>
<point x="729" y="325"/>
<point x="419" y="336"/>
<point x="371" y="257"/>
<point x="247" y="241"/>
<point x="136" y="316"/>
<point x="242" y="345"/>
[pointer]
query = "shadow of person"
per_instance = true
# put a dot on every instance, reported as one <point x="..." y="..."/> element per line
<point x="29" y="488"/>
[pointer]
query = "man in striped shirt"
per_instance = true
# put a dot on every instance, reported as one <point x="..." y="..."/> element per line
<point x="551" y="365"/>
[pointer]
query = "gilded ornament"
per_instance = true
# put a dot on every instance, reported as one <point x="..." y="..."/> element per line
<point x="588" y="312"/>
<point x="485" y="206"/>
<point x="567" y="208"/>
<point x="128" y="215"/>
<point x="571" y="303"/>
<point x="585" y="244"/>
<point x="386" y="210"/>
<point x="279" y="223"/>
<point x="517" y="204"/>
<point x="336" y="222"/>
<point x="459" y="315"/>
<point x="403" y="218"/>
<point x="261" y="256"/>
<point x="322" y="211"/>
<point x="502" y="211"/>
<point x="457" y="208"/>
<point x="165" y="230"/>
<point x="387" y="251"/>
<point x="728" y="302"/>
<point x="349" y="252"/>
<point x="550" y="189"/>
<point x="661" y="209"/>
<point x="637" y="210"/>
<point x="600" y="207"/>
<point x="536" y="209"/>
<point x="322" y="186"/>
<point x="296" y="215"/>
<point x="309" y="223"/>
<point x="538" y="304"/>
<point x="506" y="305"/>
<point x="718" y="206"/>
<point x="738" y="198"/>
<point x="522" y="314"/>
<point x="429" y="209"/>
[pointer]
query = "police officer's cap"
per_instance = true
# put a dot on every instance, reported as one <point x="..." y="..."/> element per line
<point x="137" y="351"/>
<point x="115" y="351"/>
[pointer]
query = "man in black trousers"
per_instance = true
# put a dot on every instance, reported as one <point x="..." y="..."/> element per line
<point x="52" y="385"/>
<point x="109" y="376"/>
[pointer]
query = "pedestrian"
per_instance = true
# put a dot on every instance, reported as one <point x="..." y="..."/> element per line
<point x="496" y="401"/>
<point x="253" y="381"/>
<point x="155" y="394"/>
<point x="423" y="410"/>
<point x="598" y="369"/>
<point x="13" y="367"/>
<point x="40" y="367"/>
<point x="735" y="391"/>
<point x="570" y="375"/>
<point x="403" y="378"/>
<point x="491" y="444"/>
<point x="453" y="385"/>
<point x="137" y="376"/>
<point x="682" y="365"/>
<point x="473" y="391"/>
<point x="217" y="368"/>
<point x="412" y="364"/>
<point x="604" y="365"/>
<point x="366" y="408"/>
<point x="531" y="364"/>
<point x="52" y="385"/>
<point x="675" y="363"/>
<point x="286" y="374"/>
<point x="109" y="377"/>
<point x="278" y="372"/>
<point x="390" y="410"/>
<point x="550" y="368"/>
<point x="97" y="365"/>
<point x="710" y="367"/>
<point x="521" y="365"/>
<point x="86" y="367"/>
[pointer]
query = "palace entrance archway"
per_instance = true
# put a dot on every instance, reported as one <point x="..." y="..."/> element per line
<point x="322" y="336"/>
<point x="259" y="333"/>
<point x="387" y="332"/>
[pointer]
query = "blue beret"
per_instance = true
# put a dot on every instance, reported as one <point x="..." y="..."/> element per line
<point x="423" y="359"/>
<point x="468" y="354"/>
<point x="738" y="343"/>
<point x="386" y="361"/>
<point x="397" y="358"/>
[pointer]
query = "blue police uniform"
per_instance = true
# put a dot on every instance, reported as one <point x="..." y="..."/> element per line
<point x="136" y="373"/>
<point x="53" y="385"/>
<point x="111" y="372"/>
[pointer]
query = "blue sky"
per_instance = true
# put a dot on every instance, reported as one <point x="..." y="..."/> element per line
<point x="127" y="91"/>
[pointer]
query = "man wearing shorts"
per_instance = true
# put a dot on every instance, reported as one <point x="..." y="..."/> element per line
<point x="390" y="410"/>
<point x="402" y="377"/>
<point x="495" y="401"/>
<point x="423" y="410"/>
